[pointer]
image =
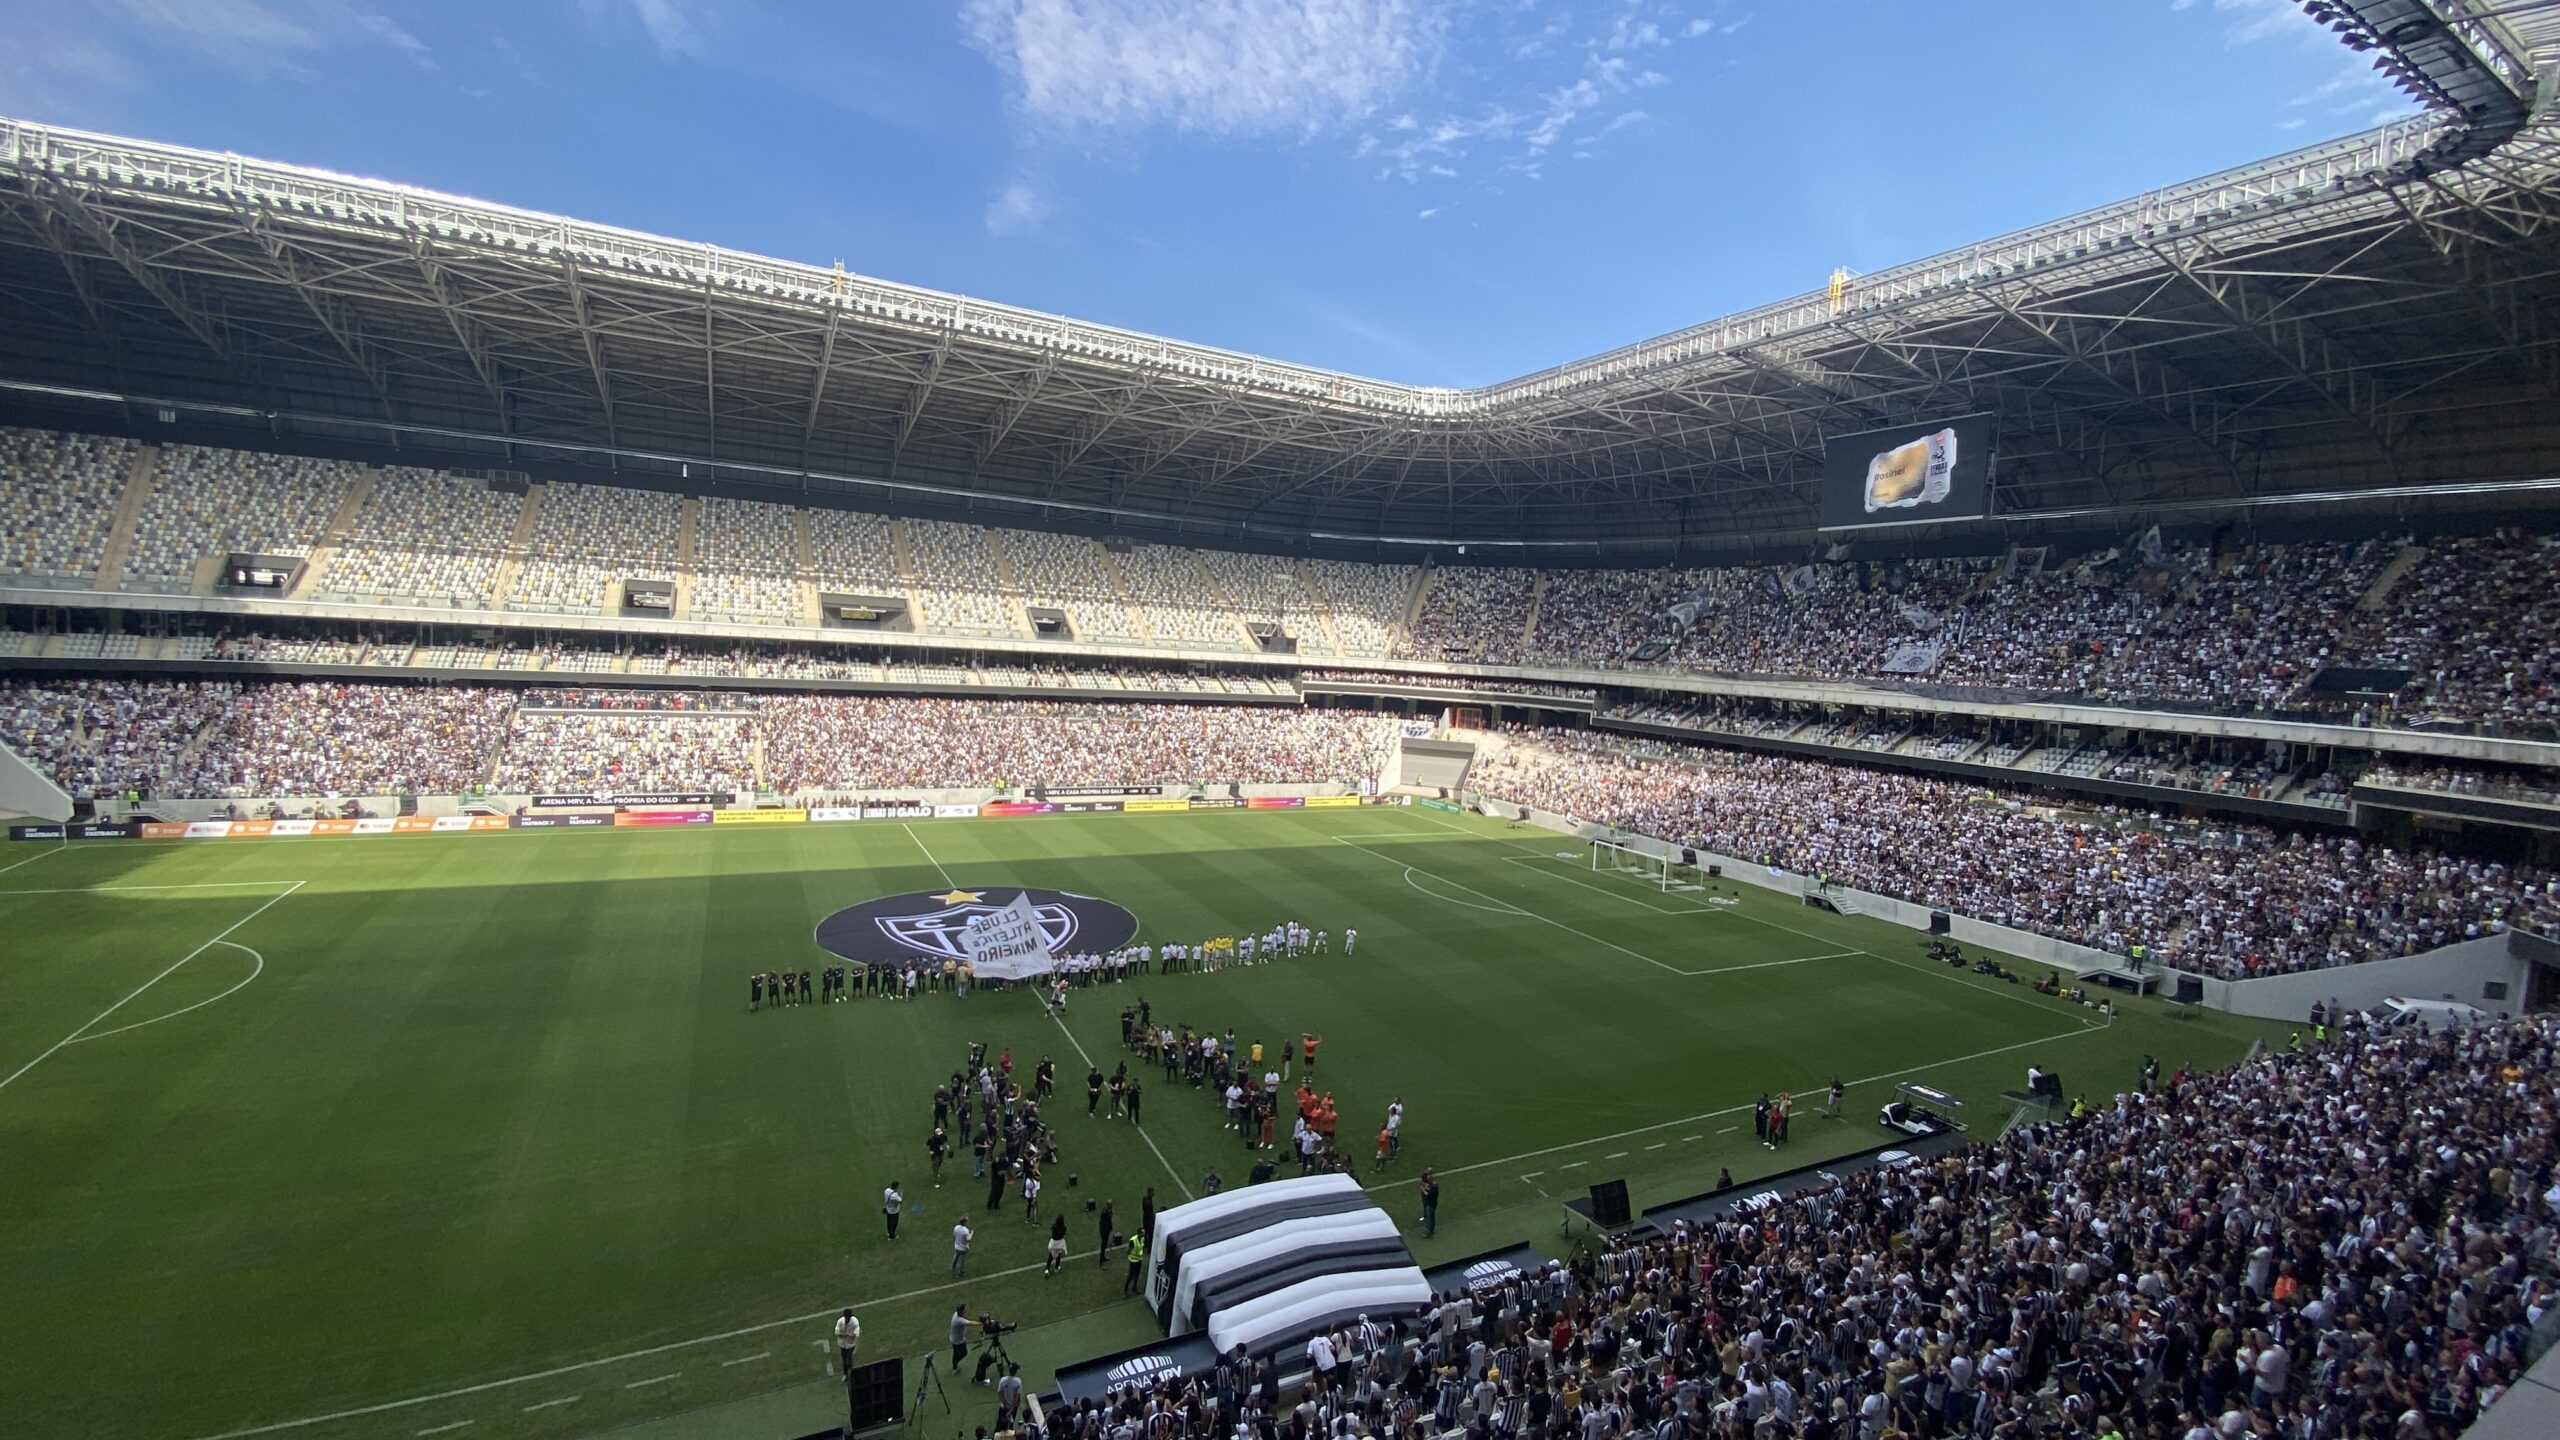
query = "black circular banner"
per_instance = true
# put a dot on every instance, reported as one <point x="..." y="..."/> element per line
<point x="899" y="929"/>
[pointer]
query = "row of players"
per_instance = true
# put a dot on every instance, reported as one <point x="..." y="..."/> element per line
<point x="785" y="987"/>
<point x="845" y="982"/>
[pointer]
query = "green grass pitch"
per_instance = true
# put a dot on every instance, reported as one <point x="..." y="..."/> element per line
<point x="482" y="1122"/>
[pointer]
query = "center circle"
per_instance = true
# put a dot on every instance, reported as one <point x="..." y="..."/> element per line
<point x="925" y="925"/>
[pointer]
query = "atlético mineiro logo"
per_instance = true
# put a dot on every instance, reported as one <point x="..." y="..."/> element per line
<point x="900" y="929"/>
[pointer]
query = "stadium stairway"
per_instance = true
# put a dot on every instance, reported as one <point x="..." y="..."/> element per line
<point x="2377" y="597"/>
<point x="1015" y="604"/>
<point x="803" y="572"/>
<point x="1422" y="580"/>
<point x="1529" y="622"/>
<point x="333" y="538"/>
<point x="686" y="515"/>
<point x="1323" y="612"/>
<point x="900" y="552"/>
<point x="502" y="581"/>
<point x="140" y="479"/>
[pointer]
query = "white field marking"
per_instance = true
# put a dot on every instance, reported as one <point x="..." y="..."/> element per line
<point x="1685" y="1139"/>
<point x="1728" y="1110"/>
<point x="1534" y="1174"/>
<point x="831" y="1312"/>
<point x="30" y="860"/>
<point x="259" y="969"/>
<point x="1534" y="915"/>
<point x="1380" y="835"/>
<point x="118" y="889"/>
<point x="1658" y="1144"/>
<point x="147" y="984"/>
<point x="1615" y="1155"/>
<point x="556" y="1371"/>
<point x="1764" y="964"/>
<point x="653" y="1380"/>
<point x="1499" y="908"/>
<point x="1142" y="1130"/>
<point x="1775" y="925"/>
<point x="1574" y="1164"/>
<point x="1911" y="965"/>
<point x="748" y="1359"/>
<point x="551" y="1404"/>
<point x="1544" y="864"/>
<point x="928" y="855"/>
<point x="441" y="1429"/>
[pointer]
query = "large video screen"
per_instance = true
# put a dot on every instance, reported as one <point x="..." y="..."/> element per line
<point x="1909" y="475"/>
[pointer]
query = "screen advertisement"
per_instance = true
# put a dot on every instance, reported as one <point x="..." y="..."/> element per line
<point x="1909" y="475"/>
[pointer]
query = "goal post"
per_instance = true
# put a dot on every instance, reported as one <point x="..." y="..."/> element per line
<point x="1620" y="858"/>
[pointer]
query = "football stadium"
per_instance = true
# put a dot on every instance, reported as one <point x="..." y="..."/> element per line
<point x="613" y="836"/>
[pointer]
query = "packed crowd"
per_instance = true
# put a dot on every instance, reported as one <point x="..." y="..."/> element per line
<point x="334" y="738"/>
<point x="2473" y="623"/>
<point x="625" y="751"/>
<point x="1547" y="689"/>
<point x="2233" y="902"/>
<point x="234" y="740"/>
<point x="826" y="742"/>
<point x="2494" y="782"/>
<point x="2346" y="1244"/>
<point x="105" y="737"/>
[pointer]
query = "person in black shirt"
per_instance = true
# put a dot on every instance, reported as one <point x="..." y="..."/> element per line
<point x="755" y="991"/>
<point x="1093" y="1091"/>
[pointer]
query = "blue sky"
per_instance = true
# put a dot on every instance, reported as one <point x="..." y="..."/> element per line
<point x="1447" y="193"/>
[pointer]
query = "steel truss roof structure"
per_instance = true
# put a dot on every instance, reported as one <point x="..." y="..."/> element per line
<point x="2372" y="312"/>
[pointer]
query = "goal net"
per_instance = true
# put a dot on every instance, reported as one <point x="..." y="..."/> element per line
<point x="1662" y="872"/>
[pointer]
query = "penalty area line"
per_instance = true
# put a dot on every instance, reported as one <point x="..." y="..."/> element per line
<point x="1862" y="1080"/>
<point x="75" y="1035"/>
<point x="255" y="970"/>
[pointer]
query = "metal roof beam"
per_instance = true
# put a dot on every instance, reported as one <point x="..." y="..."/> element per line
<point x="587" y="337"/>
<point x="63" y="201"/>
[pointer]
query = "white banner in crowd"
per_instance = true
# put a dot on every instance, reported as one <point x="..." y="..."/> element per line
<point x="1007" y="944"/>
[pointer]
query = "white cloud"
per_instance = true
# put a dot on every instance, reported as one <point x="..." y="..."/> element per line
<point x="2175" y="5"/>
<point x="2295" y="123"/>
<point x="2256" y="20"/>
<point x="1631" y="34"/>
<point x="262" y="36"/>
<point x="1018" y="209"/>
<point x="1216" y="67"/>
<point x="1745" y="20"/>
<point x="1696" y="28"/>
<point x="1429" y="214"/>
<point x="670" y="24"/>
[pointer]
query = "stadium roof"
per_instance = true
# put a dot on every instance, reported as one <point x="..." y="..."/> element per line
<point x="2373" y="313"/>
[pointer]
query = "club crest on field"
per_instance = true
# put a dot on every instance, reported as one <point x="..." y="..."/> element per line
<point x="927" y="925"/>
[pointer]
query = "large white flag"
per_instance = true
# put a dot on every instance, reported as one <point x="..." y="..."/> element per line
<point x="1008" y="944"/>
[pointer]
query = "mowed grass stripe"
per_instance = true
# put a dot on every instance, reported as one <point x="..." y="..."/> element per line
<point x="497" y="1104"/>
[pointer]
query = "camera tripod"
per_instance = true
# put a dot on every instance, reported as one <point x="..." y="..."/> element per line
<point x="915" y="1407"/>
<point x="993" y="1358"/>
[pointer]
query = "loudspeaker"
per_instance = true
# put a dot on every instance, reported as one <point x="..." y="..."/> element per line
<point x="1715" y="872"/>
<point x="1609" y="1204"/>
<point x="1688" y="856"/>
<point x="1939" y="924"/>
<point x="877" y="1392"/>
